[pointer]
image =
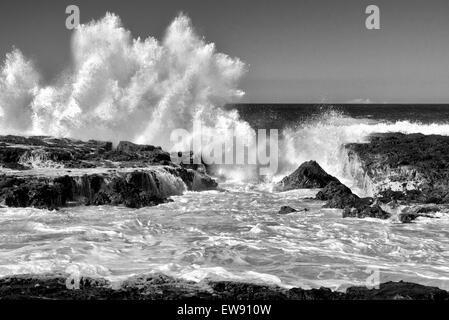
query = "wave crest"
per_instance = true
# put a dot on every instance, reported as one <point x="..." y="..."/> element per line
<point x="120" y="87"/>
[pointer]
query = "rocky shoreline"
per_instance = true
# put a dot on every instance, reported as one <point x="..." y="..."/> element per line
<point x="336" y="194"/>
<point x="50" y="173"/>
<point x="410" y="168"/>
<point x="408" y="177"/>
<point x="161" y="287"/>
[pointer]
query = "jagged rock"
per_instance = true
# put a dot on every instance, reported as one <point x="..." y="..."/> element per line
<point x="428" y="209"/>
<point x="189" y="160"/>
<point x="389" y="195"/>
<point x="308" y="175"/>
<point x="337" y="195"/>
<point x="415" y="166"/>
<point x="397" y="291"/>
<point x="26" y="152"/>
<point x="161" y="287"/>
<point x="128" y="151"/>
<point x="129" y="147"/>
<point x="133" y="189"/>
<point x="341" y="197"/>
<point x="364" y="210"/>
<point x="407" y="217"/>
<point x="286" y="210"/>
<point x="33" y="193"/>
<point x="154" y="182"/>
<point x="410" y="213"/>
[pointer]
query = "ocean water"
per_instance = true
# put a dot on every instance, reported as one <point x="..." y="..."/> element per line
<point x="235" y="234"/>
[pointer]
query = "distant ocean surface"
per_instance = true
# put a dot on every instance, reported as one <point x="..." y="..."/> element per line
<point x="283" y="115"/>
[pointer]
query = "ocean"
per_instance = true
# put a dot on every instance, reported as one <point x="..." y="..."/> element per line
<point x="235" y="233"/>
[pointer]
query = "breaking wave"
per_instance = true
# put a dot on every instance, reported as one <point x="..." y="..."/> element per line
<point x="123" y="88"/>
<point x="323" y="139"/>
<point x="120" y="87"/>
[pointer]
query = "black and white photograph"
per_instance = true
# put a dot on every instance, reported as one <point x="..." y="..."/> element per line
<point x="202" y="152"/>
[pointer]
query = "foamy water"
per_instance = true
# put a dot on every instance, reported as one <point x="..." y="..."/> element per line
<point x="234" y="235"/>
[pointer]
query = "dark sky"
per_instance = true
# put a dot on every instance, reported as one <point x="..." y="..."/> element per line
<point x="297" y="51"/>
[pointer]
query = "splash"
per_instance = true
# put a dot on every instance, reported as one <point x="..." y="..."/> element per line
<point x="39" y="159"/>
<point x="18" y="88"/>
<point x="324" y="137"/>
<point x="123" y="88"/>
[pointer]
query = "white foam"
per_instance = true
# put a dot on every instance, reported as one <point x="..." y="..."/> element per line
<point x="119" y="87"/>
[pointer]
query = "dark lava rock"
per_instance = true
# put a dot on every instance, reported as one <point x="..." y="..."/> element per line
<point x="18" y="152"/>
<point x="407" y="217"/>
<point x="142" y="187"/>
<point x="136" y="189"/>
<point x="162" y="287"/>
<point x="228" y="290"/>
<point x="47" y="286"/>
<point x="339" y="196"/>
<point x="408" y="196"/>
<point x="309" y="175"/>
<point x="420" y="163"/>
<point x="286" y="210"/>
<point x="189" y="160"/>
<point x="412" y="213"/>
<point x="129" y="147"/>
<point x="430" y="209"/>
<point x="397" y="291"/>
<point x="364" y="210"/>
<point x="33" y="193"/>
<point x="128" y="151"/>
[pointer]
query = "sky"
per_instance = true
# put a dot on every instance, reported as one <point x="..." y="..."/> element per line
<point x="297" y="51"/>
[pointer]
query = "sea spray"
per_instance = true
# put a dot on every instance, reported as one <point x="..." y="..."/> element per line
<point x="122" y="88"/>
<point x="323" y="139"/>
<point x="39" y="159"/>
<point x="18" y="89"/>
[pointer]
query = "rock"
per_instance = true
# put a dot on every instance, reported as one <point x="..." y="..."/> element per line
<point x="286" y="210"/>
<point x="415" y="166"/>
<point x="33" y="194"/>
<point x="397" y="291"/>
<point x="202" y="182"/>
<point x="411" y="213"/>
<point x="337" y="195"/>
<point x="430" y="209"/>
<point x="139" y="188"/>
<point x="407" y="217"/>
<point x="9" y="157"/>
<point x="17" y="197"/>
<point x="78" y="173"/>
<point x="364" y="210"/>
<point x="27" y="152"/>
<point x="341" y="197"/>
<point x="137" y="151"/>
<point x="129" y="147"/>
<point x="162" y="287"/>
<point x="403" y="197"/>
<point x="308" y="175"/>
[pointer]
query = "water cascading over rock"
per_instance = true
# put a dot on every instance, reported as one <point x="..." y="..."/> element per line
<point x="45" y="172"/>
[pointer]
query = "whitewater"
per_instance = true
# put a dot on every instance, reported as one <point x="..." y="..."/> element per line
<point x="122" y="88"/>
